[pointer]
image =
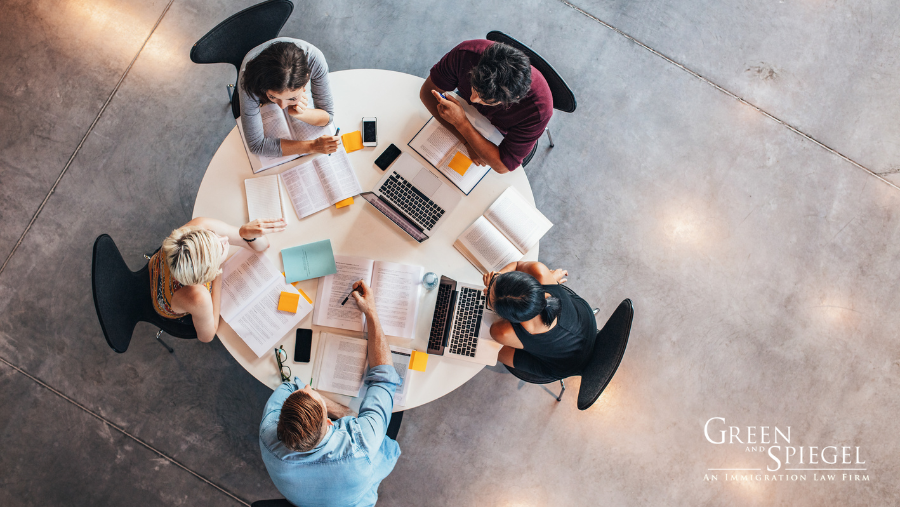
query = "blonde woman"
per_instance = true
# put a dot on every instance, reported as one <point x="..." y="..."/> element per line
<point x="186" y="274"/>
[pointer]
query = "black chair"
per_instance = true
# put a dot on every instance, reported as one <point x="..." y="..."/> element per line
<point x="605" y="357"/>
<point x="281" y="502"/>
<point x="122" y="299"/>
<point x="232" y="39"/>
<point x="563" y="98"/>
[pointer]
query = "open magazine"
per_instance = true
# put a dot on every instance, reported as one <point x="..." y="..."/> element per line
<point x="320" y="183"/>
<point x="507" y="231"/>
<point x="396" y="288"/>
<point x="251" y="288"/>
<point x="277" y="124"/>
<point x="438" y="146"/>
<point x="344" y="362"/>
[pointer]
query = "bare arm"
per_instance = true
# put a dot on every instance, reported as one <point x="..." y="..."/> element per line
<point x="202" y="305"/>
<point x="503" y="333"/>
<point x="379" y="352"/>
<point x="236" y="235"/>
<point x="337" y="410"/>
<point x="539" y="270"/>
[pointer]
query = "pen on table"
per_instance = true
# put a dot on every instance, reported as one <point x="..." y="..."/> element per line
<point x="348" y="297"/>
<point x="336" y="133"/>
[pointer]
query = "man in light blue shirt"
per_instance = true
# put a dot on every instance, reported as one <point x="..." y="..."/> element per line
<point x="316" y="462"/>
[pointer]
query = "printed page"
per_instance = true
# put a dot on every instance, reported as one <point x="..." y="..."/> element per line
<point x="334" y="288"/>
<point x="261" y="325"/>
<point x="302" y="131"/>
<point x="434" y="142"/>
<point x="482" y="242"/>
<point x="304" y="189"/>
<point x="396" y="288"/>
<point x="466" y="182"/>
<point x="518" y="220"/>
<point x="400" y="357"/>
<point x="260" y="163"/>
<point x="273" y="120"/>
<point x="264" y="197"/>
<point x="244" y="277"/>
<point x="343" y="364"/>
<point x="337" y="176"/>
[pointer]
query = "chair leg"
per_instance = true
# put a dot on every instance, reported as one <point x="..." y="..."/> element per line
<point x="549" y="136"/>
<point x="563" y="384"/>
<point x="158" y="333"/>
<point x="596" y="311"/>
<point x="230" y="89"/>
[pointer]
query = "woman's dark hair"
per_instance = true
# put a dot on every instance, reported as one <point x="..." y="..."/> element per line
<point x="503" y="74"/>
<point x="281" y="66"/>
<point x="518" y="296"/>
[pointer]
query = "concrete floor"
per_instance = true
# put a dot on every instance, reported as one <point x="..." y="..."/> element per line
<point x="757" y="246"/>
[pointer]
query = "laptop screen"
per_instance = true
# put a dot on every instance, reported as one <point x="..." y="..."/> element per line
<point x="395" y="216"/>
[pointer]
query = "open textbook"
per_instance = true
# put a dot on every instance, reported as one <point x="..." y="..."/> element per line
<point x="396" y="288"/>
<point x="508" y="230"/>
<point x="320" y="183"/>
<point x="343" y="364"/>
<point x="277" y="124"/>
<point x="438" y="146"/>
<point x="251" y="287"/>
<point x="264" y="197"/>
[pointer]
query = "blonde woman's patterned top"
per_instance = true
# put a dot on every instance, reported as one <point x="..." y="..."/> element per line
<point x="163" y="286"/>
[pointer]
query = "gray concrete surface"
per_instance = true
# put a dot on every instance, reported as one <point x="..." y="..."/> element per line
<point x="760" y="263"/>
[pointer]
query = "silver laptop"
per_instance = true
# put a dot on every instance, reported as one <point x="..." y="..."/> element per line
<point x="413" y="197"/>
<point x="461" y="326"/>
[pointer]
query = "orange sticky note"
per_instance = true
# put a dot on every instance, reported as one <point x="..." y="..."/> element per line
<point x="418" y="361"/>
<point x="302" y="293"/>
<point x="346" y="202"/>
<point x="288" y="302"/>
<point x="460" y="163"/>
<point x="352" y="141"/>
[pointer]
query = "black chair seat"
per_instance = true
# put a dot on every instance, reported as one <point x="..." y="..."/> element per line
<point x="530" y="377"/>
<point x="609" y="347"/>
<point x="122" y="298"/>
<point x="281" y="502"/>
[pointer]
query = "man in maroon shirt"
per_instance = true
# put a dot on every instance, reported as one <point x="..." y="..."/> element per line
<point x="499" y="81"/>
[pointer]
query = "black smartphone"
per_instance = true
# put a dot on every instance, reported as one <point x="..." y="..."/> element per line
<point x="387" y="157"/>
<point x="303" y="346"/>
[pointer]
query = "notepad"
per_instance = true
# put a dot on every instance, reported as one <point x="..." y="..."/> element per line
<point x="288" y="302"/>
<point x="264" y="197"/>
<point x="352" y="141"/>
<point x="418" y="361"/>
<point x="460" y="163"/>
<point x="308" y="261"/>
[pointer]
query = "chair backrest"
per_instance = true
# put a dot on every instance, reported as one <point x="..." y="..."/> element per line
<point x="117" y="293"/>
<point x="232" y="39"/>
<point x="563" y="98"/>
<point x="609" y="347"/>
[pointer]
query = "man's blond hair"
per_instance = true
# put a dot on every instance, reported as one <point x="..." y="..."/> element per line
<point x="193" y="255"/>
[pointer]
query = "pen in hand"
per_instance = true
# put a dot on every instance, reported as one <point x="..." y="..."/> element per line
<point x="337" y="133"/>
<point x="348" y="296"/>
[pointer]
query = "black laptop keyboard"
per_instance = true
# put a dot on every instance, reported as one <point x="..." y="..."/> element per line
<point x="414" y="203"/>
<point x="439" y="321"/>
<point x="469" y="308"/>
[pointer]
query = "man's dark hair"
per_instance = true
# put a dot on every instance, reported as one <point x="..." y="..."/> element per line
<point x="518" y="296"/>
<point x="503" y="74"/>
<point x="301" y="424"/>
<point x="281" y="66"/>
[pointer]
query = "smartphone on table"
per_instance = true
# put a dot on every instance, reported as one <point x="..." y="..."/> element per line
<point x="370" y="131"/>
<point x="303" y="346"/>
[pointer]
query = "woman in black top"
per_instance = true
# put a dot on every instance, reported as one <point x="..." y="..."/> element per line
<point x="547" y="329"/>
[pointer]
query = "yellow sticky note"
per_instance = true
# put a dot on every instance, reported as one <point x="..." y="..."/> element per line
<point x="288" y="302"/>
<point x="418" y="361"/>
<point x="460" y="163"/>
<point x="346" y="202"/>
<point x="352" y="141"/>
<point x="302" y="293"/>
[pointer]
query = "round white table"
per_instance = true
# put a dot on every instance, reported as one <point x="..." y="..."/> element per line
<point x="359" y="229"/>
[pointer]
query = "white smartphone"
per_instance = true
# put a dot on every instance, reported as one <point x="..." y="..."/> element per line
<point x="370" y="131"/>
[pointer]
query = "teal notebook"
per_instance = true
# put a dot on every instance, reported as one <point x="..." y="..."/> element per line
<point x="308" y="261"/>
